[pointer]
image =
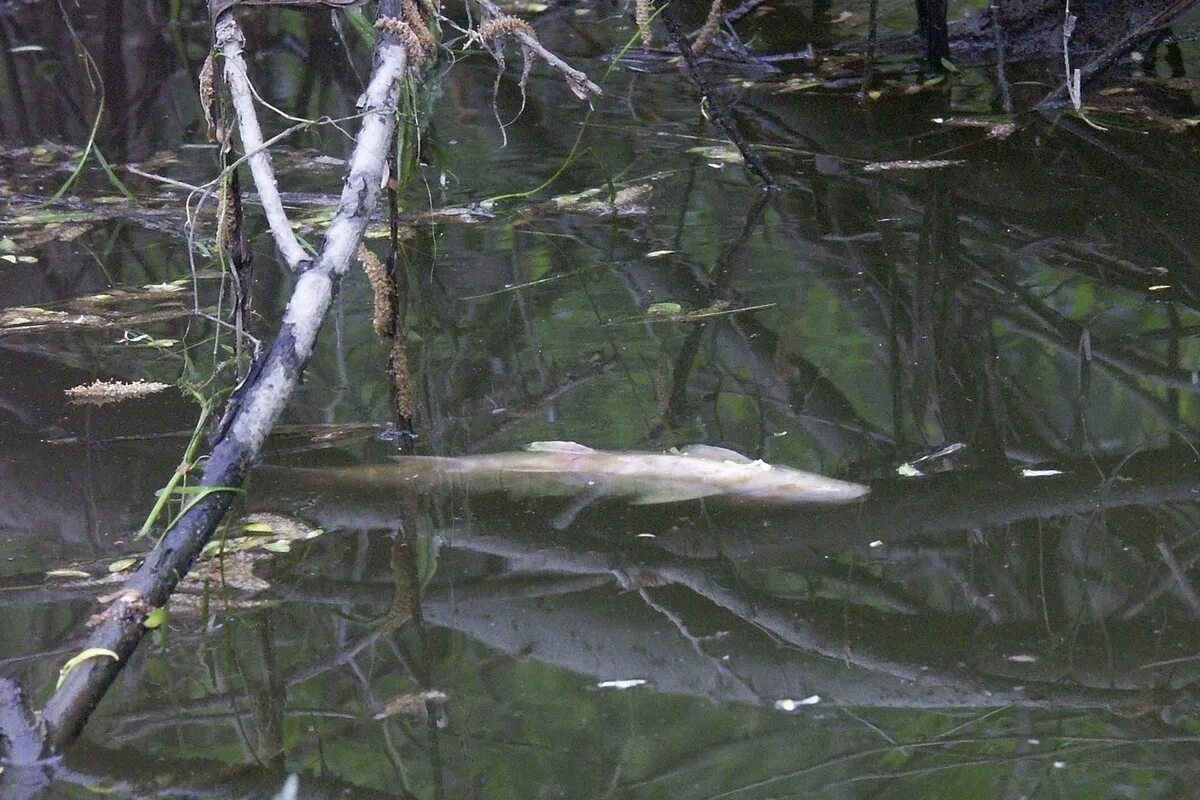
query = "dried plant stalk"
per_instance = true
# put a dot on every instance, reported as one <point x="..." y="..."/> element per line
<point x="711" y="25"/>
<point x="381" y="291"/>
<point x="100" y="392"/>
<point x="208" y="96"/>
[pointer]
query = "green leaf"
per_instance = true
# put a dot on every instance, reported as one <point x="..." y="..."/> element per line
<point x="121" y="564"/>
<point x="91" y="652"/>
<point x="281" y="546"/>
<point x="155" y="618"/>
<point x="664" y="309"/>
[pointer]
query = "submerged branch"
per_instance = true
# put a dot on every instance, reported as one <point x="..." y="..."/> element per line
<point x="253" y="409"/>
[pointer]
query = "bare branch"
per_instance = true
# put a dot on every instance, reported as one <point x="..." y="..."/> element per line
<point x="229" y="38"/>
<point x="578" y="81"/>
<point x="253" y="410"/>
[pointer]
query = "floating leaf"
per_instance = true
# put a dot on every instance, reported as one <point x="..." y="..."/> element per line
<point x="121" y="564"/>
<point x="798" y="85"/>
<point x="257" y="527"/>
<point x="155" y="618"/>
<point x="176" y="286"/>
<point x="91" y="652"/>
<point x="67" y="573"/>
<point x="723" y="153"/>
<point x="660" y="253"/>
<point x="278" y="546"/>
<point x="663" y="309"/>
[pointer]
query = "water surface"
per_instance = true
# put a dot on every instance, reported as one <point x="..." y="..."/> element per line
<point x="1002" y="346"/>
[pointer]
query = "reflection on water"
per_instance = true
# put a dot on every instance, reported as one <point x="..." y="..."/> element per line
<point x="1002" y="346"/>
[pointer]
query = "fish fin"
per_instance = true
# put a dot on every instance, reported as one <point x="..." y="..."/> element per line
<point x="713" y="453"/>
<point x="558" y="447"/>
<point x="564" y="518"/>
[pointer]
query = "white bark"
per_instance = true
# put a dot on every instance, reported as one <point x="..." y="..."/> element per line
<point x="228" y="37"/>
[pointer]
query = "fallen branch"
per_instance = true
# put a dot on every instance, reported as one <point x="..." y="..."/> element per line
<point x="254" y="408"/>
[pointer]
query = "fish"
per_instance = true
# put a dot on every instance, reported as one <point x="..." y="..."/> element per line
<point x="568" y="469"/>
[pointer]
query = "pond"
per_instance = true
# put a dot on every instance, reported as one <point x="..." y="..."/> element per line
<point x="989" y="318"/>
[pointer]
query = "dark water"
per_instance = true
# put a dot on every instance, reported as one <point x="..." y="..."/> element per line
<point x="1019" y="619"/>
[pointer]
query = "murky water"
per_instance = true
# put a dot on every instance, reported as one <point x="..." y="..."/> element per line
<point x="1003" y="346"/>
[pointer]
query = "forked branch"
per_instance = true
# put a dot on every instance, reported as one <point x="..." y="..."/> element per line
<point x="255" y="406"/>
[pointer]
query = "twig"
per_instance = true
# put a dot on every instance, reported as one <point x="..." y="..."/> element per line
<point x="1122" y="46"/>
<point x="255" y="408"/>
<point x="578" y="81"/>
<point x="229" y="38"/>
<point x="996" y="9"/>
<point x="709" y="103"/>
<point x="872" y="41"/>
<point x="1182" y="585"/>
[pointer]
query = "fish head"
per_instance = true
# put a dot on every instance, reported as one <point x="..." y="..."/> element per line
<point x="786" y="485"/>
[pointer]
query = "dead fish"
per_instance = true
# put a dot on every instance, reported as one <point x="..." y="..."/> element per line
<point x="567" y="468"/>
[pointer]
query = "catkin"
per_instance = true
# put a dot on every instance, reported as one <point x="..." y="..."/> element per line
<point x="711" y="25"/>
<point x="415" y="22"/>
<point x="641" y="14"/>
<point x="504" y="25"/>
<point x="405" y="404"/>
<point x="100" y="392"/>
<point x="381" y="291"/>
<point x="401" y="30"/>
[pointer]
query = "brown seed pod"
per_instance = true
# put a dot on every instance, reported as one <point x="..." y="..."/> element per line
<point x="407" y="36"/>
<point x="503" y="25"/>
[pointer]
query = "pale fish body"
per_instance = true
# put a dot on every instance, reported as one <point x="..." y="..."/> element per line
<point x="567" y="468"/>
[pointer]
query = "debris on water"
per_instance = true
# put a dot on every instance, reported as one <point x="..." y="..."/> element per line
<point x="788" y="704"/>
<point x="411" y="704"/>
<point x="912" y="164"/>
<point x="100" y="392"/>
<point x="995" y="129"/>
<point x="628" y="683"/>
